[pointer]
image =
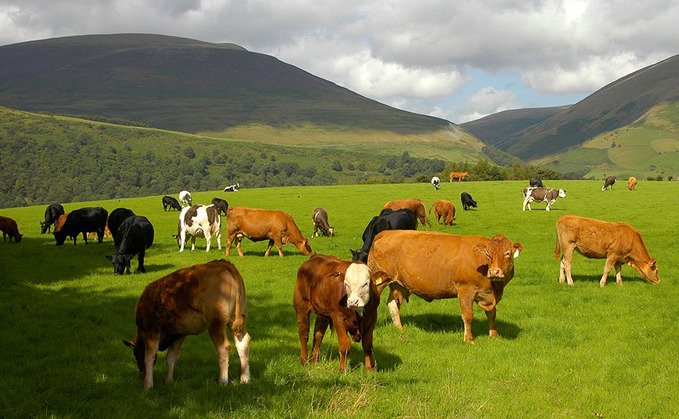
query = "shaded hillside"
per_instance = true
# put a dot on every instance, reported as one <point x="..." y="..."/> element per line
<point x="183" y="85"/>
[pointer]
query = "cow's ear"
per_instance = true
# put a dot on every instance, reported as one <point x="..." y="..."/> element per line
<point x="481" y="249"/>
<point x="380" y="279"/>
<point x="652" y="264"/>
<point x="129" y="343"/>
<point x="109" y="257"/>
<point x="518" y="247"/>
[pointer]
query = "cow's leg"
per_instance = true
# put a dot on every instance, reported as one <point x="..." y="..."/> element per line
<point x="229" y="240"/>
<point x="100" y="235"/>
<point x="208" y="240"/>
<point x="492" y="328"/>
<point x="193" y="243"/>
<point x="217" y="331"/>
<point x="367" y="328"/>
<point x="268" y="249"/>
<point x="303" y="311"/>
<point x="320" y="327"/>
<point x="567" y="262"/>
<point x="84" y="237"/>
<point x="149" y="360"/>
<point x="618" y="274"/>
<point x="396" y="296"/>
<point x="239" y="241"/>
<point x="218" y="236"/>
<point x="140" y="258"/>
<point x="344" y="343"/>
<point x="172" y="357"/>
<point x="182" y="240"/>
<point x="243" y="349"/>
<point x="610" y="263"/>
<point x="467" y="311"/>
<point x="279" y="245"/>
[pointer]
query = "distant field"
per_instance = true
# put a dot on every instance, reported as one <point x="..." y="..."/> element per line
<point x="563" y="351"/>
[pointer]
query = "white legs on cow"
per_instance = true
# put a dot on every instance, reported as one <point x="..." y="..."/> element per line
<point x="610" y="264"/>
<point x="172" y="357"/>
<point x="149" y="359"/>
<point x="243" y="349"/>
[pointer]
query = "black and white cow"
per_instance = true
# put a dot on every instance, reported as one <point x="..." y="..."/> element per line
<point x="170" y="202"/>
<point x="135" y="235"/>
<point x="536" y="182"/>
<point x="436" y="182"/>
<point x="548" y="195"/>
<point x="402" y="219"/>
<point x="320" y="219"/>
<point x="83" y="220"/>
<point x="232" y="188"/>
<point x="467" y="201"/>
<point x="52" y="214"/>
<point x="199" y="220"/>
<point x="115" y="220"/>
<point x="185" y="199"/>
<point x="608" y="183"/>
<point x="220" y="204"/>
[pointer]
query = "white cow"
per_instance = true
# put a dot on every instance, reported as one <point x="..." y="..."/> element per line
<point x="436" y="182"/>
<point x="199" y="220"/>
<point x="185" y="199"/>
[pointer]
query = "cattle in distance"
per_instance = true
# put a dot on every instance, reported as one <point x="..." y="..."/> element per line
<point x="185" y="199"/>
<point x="436" y="182"/>
<point x="608" y="183"/>
<point x="170" y="203"/>
<point x="536" y="182"/>
<point x="208" y="296"/>
<point x="402" y="219"/>
<point x="196" y="221"/>
<point x="52" y="214"/>
<point x="467" y="201"/>
<point x="134" y="236"/>
<point x="631" y="183"/>
<point x="458" y="175"/>
<point x="9" y="227"/>
<point x="320" y="219"/>
<point x="548" y="195"/>
<point x="232" y="188"/>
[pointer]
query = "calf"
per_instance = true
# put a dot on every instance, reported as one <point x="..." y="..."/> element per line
<point x="9" y="228"/>
<point x="467" y="201"/>
<point x="343" y="293"/>
<point x="134" y="236"/>
<point x="320" y="218"/>
<point x="199" y="220"/>
<point x="536" y="182"/>
<point x="259" y="224"/>
<point x="170" y="202"/>
<point x="402" y="219"/>
<point x="618" y="243"/>
<point x="115" y="219"/>
<point x="608" y="183"/>
<point x="443" y="209"/>
<point x="52" y="214"/>
<point x="415" y="205"/>
<point x="185" y="198"/>
<point x="208" y="296"/>
<point x="631" y="183"/>
<point x="83" y="220"/>
<point x="548" y="195"/>
<point x="436" y="182"/>
<point x="221" y="205"/>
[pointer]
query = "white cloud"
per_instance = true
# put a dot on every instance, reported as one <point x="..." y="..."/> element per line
<point x="484" y="102"/>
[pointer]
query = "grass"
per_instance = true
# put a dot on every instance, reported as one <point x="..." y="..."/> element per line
<point x="564" y="351"/>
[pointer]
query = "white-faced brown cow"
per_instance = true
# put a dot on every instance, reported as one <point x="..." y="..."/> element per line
<point x="343" y="293"/>
<point x="259" y="224"/>
<point x="443" y="210"/>
<point x="618" y="243"/>
<point x="415" y="205"/>
<point x="436" y="265"/>
<point x="208" y="296"/>
<point x="548" y="195"/>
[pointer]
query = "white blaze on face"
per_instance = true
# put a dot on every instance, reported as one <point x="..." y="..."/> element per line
<point x="562" y="193"/>
<point x="357" y="285"/>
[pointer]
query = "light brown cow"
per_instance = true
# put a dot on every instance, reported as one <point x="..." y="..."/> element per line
<point x="415" y="205"/>
<point x="631" y="183"/>
<point x="458" y="175"/>
<point x="443" y="209"/>
<point x="259" y="224"/>
<point x="208" y="296"/>
<point x="9" y="228"/>
<point x="436" y="265"/>
<point x="618" y="243"/>
<point x="343" y="293"/>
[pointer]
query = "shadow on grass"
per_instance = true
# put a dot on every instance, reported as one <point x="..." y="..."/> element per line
<point x="449" y="323"/>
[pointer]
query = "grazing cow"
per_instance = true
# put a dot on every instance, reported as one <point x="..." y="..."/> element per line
<point x="259" y="224"/>
<point x="436" y="265"/>
<point x="9" y="228"/>
<point x="443" y="209"/>
<point x="115" y="219"/>
<point x="344" y="294"/>
<point x="52" y="214"/>
<point x="618" y="243"/>
<point x="170" y="202"/>
<point x="221" y="205"/>
<point x="608" y="183"/>
<point x="402" y="219"/>
<point x="458" y="175"/>
<point x="199" y="220"/>
<point x="436" y="182"/>
<point x="631" y="183"/>
<point x="320" y="218"/>
<point x="232" y="188"/>
<point x="185" y="199"/>
<point x="207" y="296"/>
<point x="548" y="195"/>
<point x="135" y="235"/>
<point x="467" y="201"/>
<point x="536" y="182"/>
<point x="83" y="221"/>
<point x="415" y="205"/>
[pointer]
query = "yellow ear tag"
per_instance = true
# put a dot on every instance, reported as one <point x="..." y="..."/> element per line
<point x="378" y="281"/>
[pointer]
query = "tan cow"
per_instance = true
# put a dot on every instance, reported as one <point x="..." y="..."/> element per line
<point x="631" y="183"/>
<point x="458" y="175"/>
<point x="618" y="243"/>
<point x="259" y="224"/>
<point x="415" y="205"/>
<point x="443" y="209"/>
<point x="436" y="265"/>
<point x="208" y="296"/>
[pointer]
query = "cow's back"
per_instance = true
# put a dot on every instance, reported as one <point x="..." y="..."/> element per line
<point x="135" y="234"/>
<point x="256" y="222"/>
<point x="85" y="220"/>
<point x="596" y="238"/>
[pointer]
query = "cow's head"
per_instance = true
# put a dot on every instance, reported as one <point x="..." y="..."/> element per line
<point x="562" y="193"/>
<point x="648" y="269"/>
<point x="500" y="254"/>
<point x="359" y="255"/>
<point x="305" y="248"/>
<point x="60" y="237"/>
<point x="331" y="231"/>
<point x="43" y="227"/>
<point x="138" y="346"/>
<point x="121" y="263"/>
<point x="359" y="282"/>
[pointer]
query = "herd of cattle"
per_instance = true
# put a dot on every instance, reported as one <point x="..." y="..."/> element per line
<point x="345" y="294"/>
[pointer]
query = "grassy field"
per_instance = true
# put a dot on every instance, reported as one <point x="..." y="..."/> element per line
<point x="563" y="351"/>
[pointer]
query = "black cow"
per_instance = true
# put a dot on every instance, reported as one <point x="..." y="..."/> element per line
<point x="221" y="205"/>
<point x="232" y="188"/>
<point x="115" y="220"/>
<point x="402" y="219"/>
<point x="467" y="201"/>
<point x="52" y="214"/>
<point x="170" y="202"/>
<point x="83" y="221"/>
<point x="536" y="182"/>
<point x="135" y="235"/>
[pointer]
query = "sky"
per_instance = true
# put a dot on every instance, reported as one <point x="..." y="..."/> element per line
<point x="455" y="59"/>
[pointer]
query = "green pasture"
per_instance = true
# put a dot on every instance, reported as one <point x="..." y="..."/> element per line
<point x="580" y="351"/>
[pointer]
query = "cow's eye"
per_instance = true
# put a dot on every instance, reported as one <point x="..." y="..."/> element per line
<point x="367" y="283"/>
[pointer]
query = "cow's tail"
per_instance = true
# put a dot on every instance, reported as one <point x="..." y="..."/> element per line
<point x="430" y="208"/>
<point x="557" y="249"/>
<point x="240" y="312"/>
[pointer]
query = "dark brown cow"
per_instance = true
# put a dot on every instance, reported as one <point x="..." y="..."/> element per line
<point x="608" y="183"/>
<point x="618" y="243"/>
<point x="436" y="265"/>
<point x="443" y="209"/>
<point x="343" y="293"/>
<point x="320" y="219"/>
<point x="221" y="205"/>
<point x="208" y="296"/>
<point x="548" y="195"/>
<point x="259" y="224"/>
<point x="9" y="228"/>
<point x="415" y="205"/>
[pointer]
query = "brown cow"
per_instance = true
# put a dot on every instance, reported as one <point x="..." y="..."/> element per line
<point x="207" y="296"/>
<point x="443" y="209"/>
<point x="548" y="195"/>
<point x="631" y="183"/>
<point x="415" y="205"/>
<point x="260" y="224"/>
<point x="436" y="265"/>
<point x="60" y="222"/>
<point x="458" y="175"/>
<point x="618" y="243"/>
<point x="608" y="183"/>
<point x="343" y="293"/>
<point x="9" y="228"/>
<point x="320" y="219"/>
